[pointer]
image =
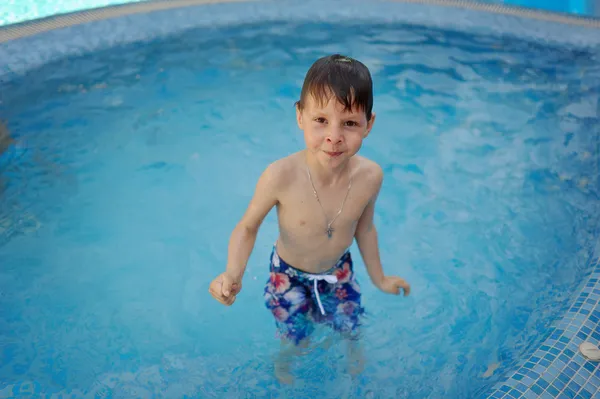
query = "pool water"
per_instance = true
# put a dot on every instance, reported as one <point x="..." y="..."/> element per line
<point x="132" y="166"/>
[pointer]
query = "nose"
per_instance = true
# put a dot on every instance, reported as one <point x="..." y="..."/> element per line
<point x="334" y="136"/>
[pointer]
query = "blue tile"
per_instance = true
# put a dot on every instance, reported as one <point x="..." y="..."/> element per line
<point x="569" y="372"/>
<point x="564" y="340"/>
<point x="595" y="381"/>
<point x="584" y="312"/>
<point x="527" y="381"/>
<point x="545" y="348"/>
<point x="561" y="345"/>
<point x="559" y="364"/>
<point x="543" y="383"/>
<point x="545" y="363"/>
<point x="553" y="391"/>
<point x="528" y="365"/>
<point x="498" y="395"/>
<point x="585" y="373"/>
<point x="505" y="388"/>
<point x="514" y="394"/>
<point x="579" y="379"/>
<point x="564" y="358"/>
<point x="539" y="369"/>
<point x="585" y="394"/>
<point x="553" y="372"/>
<point x="550" y="357"/>
<point x="534" y="359"/>
<point x="574" y="365"/>
<point x="581" y="335"/>
<point x="554" y="351"/>
<point x="564" y="378"/>
<point x="511" y="383"/>
<point x="530" y="395"/>
<point x="569" y="353"/>
<point x="574" y="386"/>
<point x="518" y="377"/>
<point x="558" y="384"/>
<point x="569" y="393"/>
<point x="533" y="375"/>
<point x="537" y="389"/>
<point x="589" y="366"/>
<point x="594" y="319"/>
<point x="521" y="387"/>
<point x="596" y="335"/>
<point x="593" y="384"/>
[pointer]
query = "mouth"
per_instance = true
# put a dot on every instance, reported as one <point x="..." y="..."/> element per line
<point x="333" y="154"/>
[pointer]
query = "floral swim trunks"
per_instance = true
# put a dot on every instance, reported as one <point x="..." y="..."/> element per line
<point x="299" y="299"/>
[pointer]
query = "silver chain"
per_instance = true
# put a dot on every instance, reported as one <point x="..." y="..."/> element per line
<point x="329" y="230"/>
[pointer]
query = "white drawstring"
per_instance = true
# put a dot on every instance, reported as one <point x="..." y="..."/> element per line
<point x="316" y="278"/>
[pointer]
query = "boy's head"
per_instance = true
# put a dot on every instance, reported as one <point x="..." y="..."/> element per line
<point x="335" y="109"/>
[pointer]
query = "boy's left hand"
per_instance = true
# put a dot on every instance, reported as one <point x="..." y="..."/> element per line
<point x="393" y="284"/>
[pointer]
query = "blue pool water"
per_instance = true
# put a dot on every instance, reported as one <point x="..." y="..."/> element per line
<point x="131" y="167"/>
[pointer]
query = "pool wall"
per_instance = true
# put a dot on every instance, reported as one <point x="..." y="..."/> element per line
<point x="555" y="369"/>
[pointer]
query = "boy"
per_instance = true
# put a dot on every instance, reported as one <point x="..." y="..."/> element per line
<point x="325" y="198"/>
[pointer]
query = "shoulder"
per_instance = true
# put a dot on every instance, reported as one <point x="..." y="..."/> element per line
<point x="281" y="173"/>
<point x="369" y="172"/>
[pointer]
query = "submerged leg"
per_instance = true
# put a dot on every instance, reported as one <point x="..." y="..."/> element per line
<point x="356" y="356"/>
<point x="288" y="352"/>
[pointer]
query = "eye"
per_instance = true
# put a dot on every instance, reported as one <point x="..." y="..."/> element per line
<point x="351" y="123"/>
<point x="320" y="120"/>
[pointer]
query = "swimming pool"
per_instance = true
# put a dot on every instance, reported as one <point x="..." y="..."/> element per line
<point x="135" y="160"/>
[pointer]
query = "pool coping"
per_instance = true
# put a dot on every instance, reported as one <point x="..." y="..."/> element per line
<point x="528" y="377"/>
<point x="27" y="28"/>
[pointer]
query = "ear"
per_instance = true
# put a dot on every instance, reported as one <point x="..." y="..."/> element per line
<point x="370" y="125"/>
<point x="299" y="117"/>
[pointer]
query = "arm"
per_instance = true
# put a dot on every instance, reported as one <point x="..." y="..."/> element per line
<point x="366" y="235"/>
<point x="366" y="238"/>
<point x="244" y="234"/>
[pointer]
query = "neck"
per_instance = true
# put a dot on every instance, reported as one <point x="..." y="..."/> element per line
<point x="325" y="176"/>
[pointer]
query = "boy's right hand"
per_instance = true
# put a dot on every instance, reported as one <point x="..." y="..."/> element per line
<point x="225" y="288"/>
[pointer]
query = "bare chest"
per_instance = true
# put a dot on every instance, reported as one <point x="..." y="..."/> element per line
<point x="304" y="215"/>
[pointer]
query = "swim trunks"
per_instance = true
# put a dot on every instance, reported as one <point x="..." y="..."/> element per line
<point x="299" y="299"/>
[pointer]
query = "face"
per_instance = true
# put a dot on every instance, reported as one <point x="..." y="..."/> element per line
<point x="332" y="134"/>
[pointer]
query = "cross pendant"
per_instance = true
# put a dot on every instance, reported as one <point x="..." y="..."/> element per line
<point x="329" y="231"/>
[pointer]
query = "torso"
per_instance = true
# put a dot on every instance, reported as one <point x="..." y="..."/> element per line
<point x="303" y="241"/>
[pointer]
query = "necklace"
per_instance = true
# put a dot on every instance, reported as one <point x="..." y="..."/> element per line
<point x="330" y="229"/>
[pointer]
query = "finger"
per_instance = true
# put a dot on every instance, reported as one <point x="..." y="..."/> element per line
<point x="406" y="287"/>
<point x="216" y="292"/>
<point x="235" y="288"/>
<point x="228" y="301"/>
<point x="401" y="283"/>
<point x="227" y="286"/>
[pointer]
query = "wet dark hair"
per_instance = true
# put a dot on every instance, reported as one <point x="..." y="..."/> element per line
<point x="347" y="79"/>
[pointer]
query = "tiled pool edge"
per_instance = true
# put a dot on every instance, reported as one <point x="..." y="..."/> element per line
<point x="552" y="363"/>
<point x="73" y="34"/>
<point x="556" y="369"/>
